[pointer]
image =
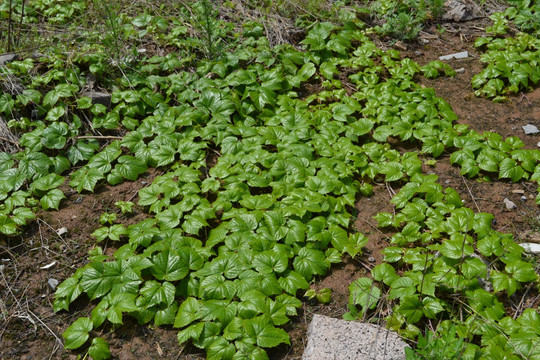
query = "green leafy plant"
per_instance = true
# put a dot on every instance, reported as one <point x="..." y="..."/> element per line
<point x="257" y="180"/>
<point x="512" y="62"/>
<point x="324" y="296"/>
<point x="404" y="19"/>
<point x="438" y="346"/>
<point x="445" y="248"/>
<point x="126" y="207"/>
<point x="210" y="28"/>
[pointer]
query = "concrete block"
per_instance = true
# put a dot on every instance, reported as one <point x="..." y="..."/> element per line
<point x="336" y="339"/>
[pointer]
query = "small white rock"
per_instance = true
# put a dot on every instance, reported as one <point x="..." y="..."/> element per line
<point x="531" y="247"/>
<point x="53" y="283"/>
<point x="509" y="204"/>
<point x="538" y="144"/>
<point x="523" y="198"/>
<point x="458" y="55"/>
<point x="62" y="231"/>
<point x="460" y="70"/>
<point x="530" y="129"/>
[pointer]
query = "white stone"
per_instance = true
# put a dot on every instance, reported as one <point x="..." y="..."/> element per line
<point x="531" y="247"/>
<point x="330" y="339"/>
<point x="53" y="283"/>
<point x="530" y="129"/>
<point x="458" y="55"/>
<point x="509" y="204"/>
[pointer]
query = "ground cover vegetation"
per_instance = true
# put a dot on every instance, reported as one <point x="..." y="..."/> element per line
<point x="259" y="173"/>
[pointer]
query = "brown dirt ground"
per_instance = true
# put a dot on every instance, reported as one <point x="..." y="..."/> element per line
<point x="32" y="331"/>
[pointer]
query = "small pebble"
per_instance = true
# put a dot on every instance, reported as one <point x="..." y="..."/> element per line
<point x="371" y="259"/>
<point x="418" y="53"/>
<point x="53" y="283"/>
<point x="538" y="144"/>
<point x="460" y="70"/>
<point x="447" y="181"/>
<point x="78" y="200"/>
<point x="509" y="204"/>
<point x="62" y="231"/>
<point x="523" y="198"/>
<point x="144" y="182"/>
<point x="530" y="129"/>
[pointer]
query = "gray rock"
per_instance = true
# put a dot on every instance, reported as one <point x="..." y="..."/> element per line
<point x="533" y="248"/>
<point x="99" y="97"/>
<point x="330" y="339"/>
<point x="5" y="58"/>
<point x="458" y="55"/>
<point x="509" y="204"/>
<point x="53" y="283"/>
<point x="459" y="12"/>
<point x="530" y="129"/>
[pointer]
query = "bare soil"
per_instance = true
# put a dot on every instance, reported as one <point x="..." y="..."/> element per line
<point x="30" y="329"/>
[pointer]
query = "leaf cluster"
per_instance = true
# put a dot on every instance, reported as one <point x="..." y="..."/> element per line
<point x="453" y="267"/>
<point x="511" y="62"/>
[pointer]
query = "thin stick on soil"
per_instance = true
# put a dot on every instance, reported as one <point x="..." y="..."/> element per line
<point x="55" y="232"/>
<point x="470" y="193"/>
<point x="9" y="288"/>
<point x="519" y="308"/>
<point x="45" y="326"/>
<point x="376" y="228"/>
<point x="16" y="143"/>
<point x="390" y="190"/>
